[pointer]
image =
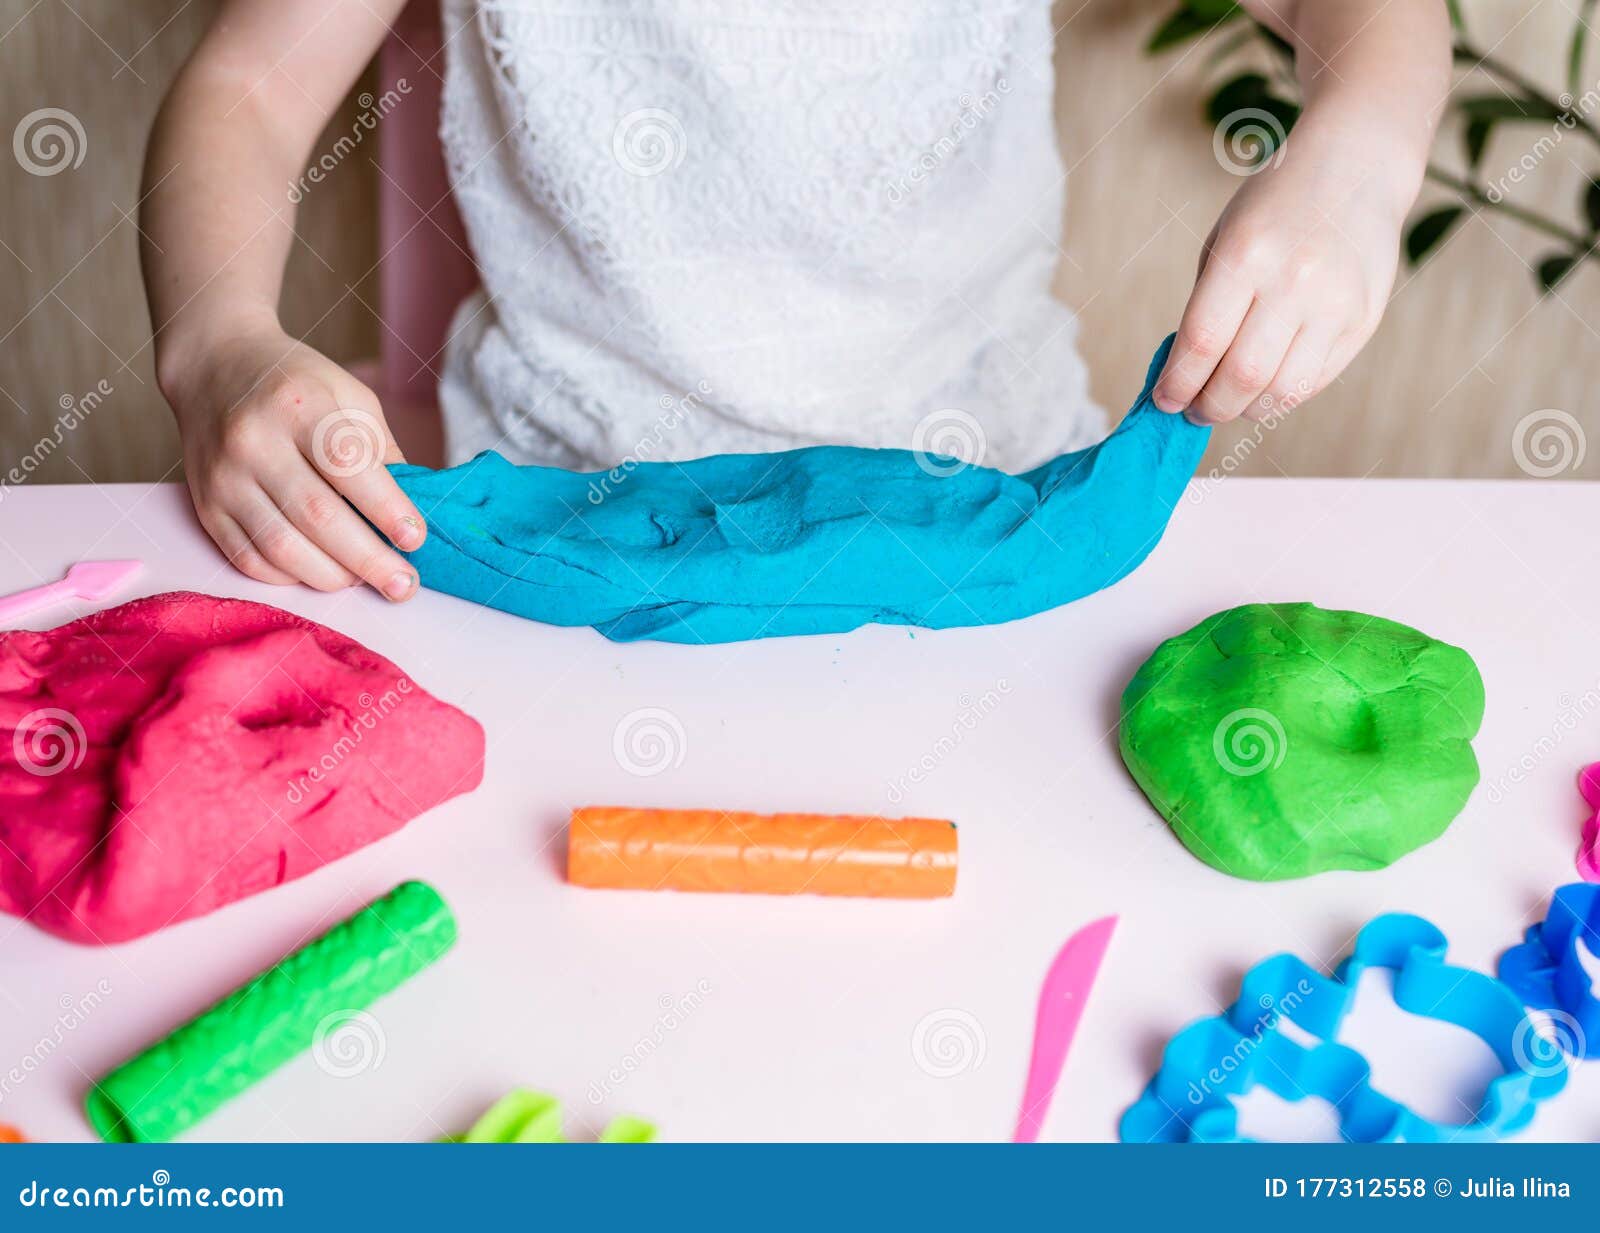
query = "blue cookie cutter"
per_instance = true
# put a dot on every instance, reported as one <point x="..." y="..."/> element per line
<point x="1548" y="971"/>
<point x="1208" y="1063"/>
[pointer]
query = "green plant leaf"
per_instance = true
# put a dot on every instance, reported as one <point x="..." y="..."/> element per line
<point x="1553" y="269"/>
<point x="1428" y="231"/>
<point x="1591" y="204"/>
<point x="1476" y="139"/>
<point x="1504" y="107"/>
<point x="1189" y="22"/>
<point x="1457" y="20"/>
<point x="1246" y="107"/>
<point x="1580" y="38"/>
<point x="1214" y="10"/>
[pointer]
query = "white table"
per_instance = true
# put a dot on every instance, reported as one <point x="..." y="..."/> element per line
<point x="753" y="1017"/>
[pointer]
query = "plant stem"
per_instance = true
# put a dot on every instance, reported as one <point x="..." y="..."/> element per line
<point x="1467" y="54"/>
<point x="1528" y="218"/>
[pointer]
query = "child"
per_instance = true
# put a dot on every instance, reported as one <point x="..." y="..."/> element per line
<point x="790" y="221"/>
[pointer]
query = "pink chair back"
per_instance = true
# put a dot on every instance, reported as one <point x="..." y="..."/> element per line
<point x="426" y="267"/>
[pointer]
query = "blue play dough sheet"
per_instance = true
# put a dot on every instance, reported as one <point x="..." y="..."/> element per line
<point x="809" y="541"/>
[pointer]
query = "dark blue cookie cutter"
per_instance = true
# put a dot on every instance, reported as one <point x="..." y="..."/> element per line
<point x="1547" y="970"/>
<point x="1207" y="1064"/>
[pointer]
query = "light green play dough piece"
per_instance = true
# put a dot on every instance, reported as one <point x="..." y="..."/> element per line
<point x="1281" y="740"/>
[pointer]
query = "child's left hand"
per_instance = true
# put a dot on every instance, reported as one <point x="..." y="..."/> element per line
<point x="1293" y="281"/>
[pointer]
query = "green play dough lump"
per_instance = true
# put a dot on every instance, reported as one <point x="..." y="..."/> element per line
<point x="1280" y="740"/>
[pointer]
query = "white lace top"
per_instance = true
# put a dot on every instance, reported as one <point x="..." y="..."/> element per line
<point x="711" y="226"/>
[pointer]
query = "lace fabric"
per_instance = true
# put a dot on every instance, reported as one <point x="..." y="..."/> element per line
<point x="706" y="227"/>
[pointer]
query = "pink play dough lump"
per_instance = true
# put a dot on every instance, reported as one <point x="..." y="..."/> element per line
<point x="161" y="759"/>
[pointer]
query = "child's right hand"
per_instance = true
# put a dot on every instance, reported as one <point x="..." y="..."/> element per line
<point x="276" y="439"/>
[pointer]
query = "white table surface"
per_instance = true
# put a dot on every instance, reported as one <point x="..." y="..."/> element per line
<point x="733" y="1017"/>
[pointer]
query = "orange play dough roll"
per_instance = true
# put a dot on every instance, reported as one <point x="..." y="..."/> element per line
<point x="755" y="853"/>
<point x="10" y="1134"/>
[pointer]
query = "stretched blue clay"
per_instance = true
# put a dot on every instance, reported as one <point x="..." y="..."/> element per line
<point x="810" y="541"/>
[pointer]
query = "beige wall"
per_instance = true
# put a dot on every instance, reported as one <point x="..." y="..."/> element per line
<point x="1468" y="349"/>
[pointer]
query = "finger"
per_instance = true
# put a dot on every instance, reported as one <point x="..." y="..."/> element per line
<point x="326" y="519"/>
<point x="241" y="553"/>
<point x="1216" y="309"/>
<point x="1299" y="378"/>
<point x="277" y="539"/>
<point x="349" y="449"/>
<point x="1251" y="362"/>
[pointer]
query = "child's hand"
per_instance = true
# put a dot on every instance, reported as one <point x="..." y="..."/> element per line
<point x="275" y="438"/>
<point x="1297" y="271"/>
<point x="1293" y="281"/>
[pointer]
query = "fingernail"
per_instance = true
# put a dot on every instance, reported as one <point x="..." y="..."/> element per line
<point x="409" y="534"/>
<point x="400" y="586"/>
<point x="1165" y="401"/>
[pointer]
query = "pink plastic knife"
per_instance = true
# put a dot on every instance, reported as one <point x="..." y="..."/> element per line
<point x="1061" y="1000"/>
<point x="86" y="580"/>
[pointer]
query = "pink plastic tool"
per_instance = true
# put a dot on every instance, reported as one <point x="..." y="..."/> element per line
<point x="1061" y="1000"/>
<point x="1589" y="848"/>
<point x="93" y="580"/>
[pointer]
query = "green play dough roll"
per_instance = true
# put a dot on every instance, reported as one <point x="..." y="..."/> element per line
<point x="262" y="1024"/>
<point x="1281" y="740"/>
